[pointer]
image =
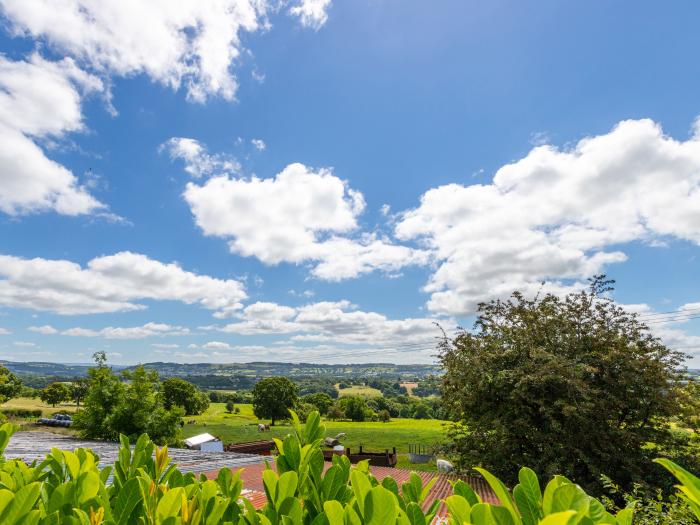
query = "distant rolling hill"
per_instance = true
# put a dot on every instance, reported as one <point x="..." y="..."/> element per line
<point x="241" y="370"/>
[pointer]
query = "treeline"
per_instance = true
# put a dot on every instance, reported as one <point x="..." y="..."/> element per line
<point x="135" y="402"/>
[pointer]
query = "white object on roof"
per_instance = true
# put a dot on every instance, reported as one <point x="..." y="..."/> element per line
<point x="197" y="440"/>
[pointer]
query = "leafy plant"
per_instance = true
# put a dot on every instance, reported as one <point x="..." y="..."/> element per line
<point x="146" y="489"/>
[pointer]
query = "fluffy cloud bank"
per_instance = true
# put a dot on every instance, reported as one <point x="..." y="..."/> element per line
<point x="337" y="323"/>
<point x="187" y="43"/>
<point x="300" y="215"/>
<point x="557" y="215"/>
<point x="119" y="332"/>
<point x="40" y="100"/>
<point x="112" y="283"/>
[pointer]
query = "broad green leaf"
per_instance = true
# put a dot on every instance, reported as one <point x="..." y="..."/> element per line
<point x="459" y="508"/>
<point x="270" y="479"/>
<point x="286" y="486"/>
<point x="129" y="497"/>
<point x="460" y="488"/>
<point x="292" y="508"/>
<point x="553" y="485"/>
<point x="529" y="509"/>
<point x="415" y="514"/>
<point x="351" y="517"/>
<point x="560" y="518"/>
<point x="380" y="507"/>
<point x="22" y="503"/>
<point x="170" y="503"/>
<point x="502" y="494"/>
<point x="531" y="485"/>
<point x="72" y="462"/>
<point x="624" y="517"/>
<point x="88" y="485"/>
<point x="6" y="497"/>
<point x="334" y="512"/>
<point x="569" y="497"/>
<point x="360" y="486"/>
<point x="487" y="514"/>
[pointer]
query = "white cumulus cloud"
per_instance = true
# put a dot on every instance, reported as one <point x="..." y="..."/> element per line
<point x="40" y="100"/>
<point x="112" y="283"/>
<point x="312" y="13"/>
<point x="557" y="215"/>
<point x="336" y="322"/>
<point x="198" y="161"/>
<point x="129" y="332"/>
<point x="300" y="215"/>
<point x="189" y="43"/>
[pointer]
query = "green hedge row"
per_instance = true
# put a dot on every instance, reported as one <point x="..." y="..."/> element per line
<point x="21" y="412"/>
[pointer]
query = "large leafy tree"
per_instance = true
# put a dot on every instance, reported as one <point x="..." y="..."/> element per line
<point x="181" y="393"/>
<point x="114" y="407"/>
<point x="10" y="385"/>
<point x="105" y="394"/>
<point x="55" y="393"/>
<point x="142" y="409"/>
<point x="355" y="408"/>
<point x="273" y="397"/>
<point x="78" y="390"/>
<point x="569" y="385"/>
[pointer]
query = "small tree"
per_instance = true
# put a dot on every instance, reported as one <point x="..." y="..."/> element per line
<point x="79" y="390"/>
<point x="10" y="385"/>
<point x="181" y="393"/>
<point x="384" y="416"/>
<point x="422" y="411"/>
<point x="273" y="397"/>
<point x="112" y="407"/>
<point x="105" y="393"/>
<point x="689" y="395"/>
<point x="320" y="400"/>
<point x="142" y="411"/>
<point x="335" y="412"/>
<point x="230" y="406"/>
<point x="55" y="393"/>
<point x="355" y="408"/>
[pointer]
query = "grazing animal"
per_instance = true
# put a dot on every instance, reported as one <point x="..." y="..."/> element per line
<point x="262" y="427"/>
<point x="444" y="466"/>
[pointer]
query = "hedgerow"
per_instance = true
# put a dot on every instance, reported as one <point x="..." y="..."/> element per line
<point x="144" y="488"/>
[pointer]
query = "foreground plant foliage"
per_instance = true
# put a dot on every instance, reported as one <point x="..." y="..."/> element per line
<point x="143" y="488"/>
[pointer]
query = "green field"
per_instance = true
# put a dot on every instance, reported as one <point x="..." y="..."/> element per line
<point x="358" y="390"/>
<point x="375" y="436"/>
<point x="31" y="403"/>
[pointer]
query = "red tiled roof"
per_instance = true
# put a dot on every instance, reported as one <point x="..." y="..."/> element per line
<point x="252" y="481"/>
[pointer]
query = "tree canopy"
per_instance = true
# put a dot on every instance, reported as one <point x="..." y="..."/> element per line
<point x="572" y="385"/>
<point x="55" y="393"/>
<point x="181" y="393"/>
<point x="273" y="397"/>
<point x="10" y="385"/>
<point x="114" y="407"/>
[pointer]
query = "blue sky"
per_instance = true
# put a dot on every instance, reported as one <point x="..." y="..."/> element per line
<point x="323" y="180"/>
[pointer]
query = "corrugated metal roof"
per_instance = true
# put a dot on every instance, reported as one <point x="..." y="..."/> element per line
<point x="252" y="480"/>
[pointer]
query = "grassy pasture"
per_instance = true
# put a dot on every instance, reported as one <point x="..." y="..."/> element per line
<point x="31" y="403"/>
<point x="376" y="436"/>
<point x="358" y="390"/>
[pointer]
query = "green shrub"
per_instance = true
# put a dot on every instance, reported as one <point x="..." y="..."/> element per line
<point x="69" y="488"/>
<point x="21" y="412"/>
